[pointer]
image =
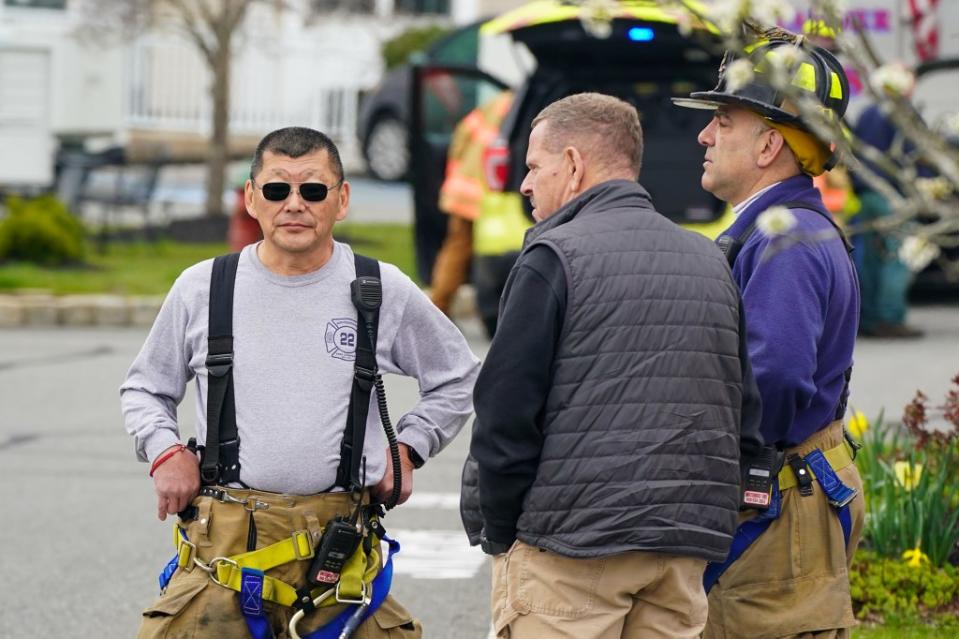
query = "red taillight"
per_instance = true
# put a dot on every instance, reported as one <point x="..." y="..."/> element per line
<point x="496" y="165"/>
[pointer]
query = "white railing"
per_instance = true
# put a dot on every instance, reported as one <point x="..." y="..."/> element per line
<point x="168" y="90"/>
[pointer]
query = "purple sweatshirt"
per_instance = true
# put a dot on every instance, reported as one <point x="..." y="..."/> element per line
<point x="801" y="300"/>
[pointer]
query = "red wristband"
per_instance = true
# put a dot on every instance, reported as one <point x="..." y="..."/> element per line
<point x="165" y="456"/>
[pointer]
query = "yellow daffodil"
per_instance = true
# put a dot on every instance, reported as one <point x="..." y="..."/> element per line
<point x="908" y="474"/>
<point x="858" y="424"/>
<point x="915" y="557"/>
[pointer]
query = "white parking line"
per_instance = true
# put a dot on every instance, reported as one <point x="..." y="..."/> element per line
<point x="446" y="501"/>
<point x="436" y="554"/>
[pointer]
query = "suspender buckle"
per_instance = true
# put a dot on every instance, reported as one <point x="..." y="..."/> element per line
<point x="219" y="364"/>
<point x="364" y="374"/>
<point x="209" y="475"/>
<point x="230" y="450"/>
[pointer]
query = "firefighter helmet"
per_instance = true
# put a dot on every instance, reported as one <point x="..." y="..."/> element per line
<point x="815" y="71"/>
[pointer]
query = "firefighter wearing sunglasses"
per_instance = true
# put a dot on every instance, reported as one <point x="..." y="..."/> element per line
<point x="278" y="529"/>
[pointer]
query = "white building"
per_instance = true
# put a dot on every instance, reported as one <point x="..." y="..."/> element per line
<point x="149" y="93"/>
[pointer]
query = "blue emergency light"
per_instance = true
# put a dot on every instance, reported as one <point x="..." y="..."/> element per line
<point x="640" y="34"/>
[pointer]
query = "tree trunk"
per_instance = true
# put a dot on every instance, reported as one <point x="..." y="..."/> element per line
<point x="219" y="138"/>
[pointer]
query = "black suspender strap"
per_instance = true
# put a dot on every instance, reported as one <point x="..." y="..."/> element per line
<point x="220" y="462"/>
<point x="364" y="374"/>
<point x="731" y="246"/>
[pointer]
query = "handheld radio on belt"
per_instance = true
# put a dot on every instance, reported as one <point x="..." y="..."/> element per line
<point x="757" y="479"/>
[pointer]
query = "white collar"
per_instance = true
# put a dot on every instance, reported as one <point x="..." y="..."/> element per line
<point x="739" y="208"/>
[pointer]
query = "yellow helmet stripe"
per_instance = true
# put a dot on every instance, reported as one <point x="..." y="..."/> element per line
<point x="835" y="90"/>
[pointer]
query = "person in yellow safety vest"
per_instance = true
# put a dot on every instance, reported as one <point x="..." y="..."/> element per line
<point x="462" y="193"/>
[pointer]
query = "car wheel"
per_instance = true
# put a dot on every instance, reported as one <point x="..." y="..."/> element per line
<point x="387" y="149"/>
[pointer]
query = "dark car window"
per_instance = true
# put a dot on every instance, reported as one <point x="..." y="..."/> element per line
<point x="460" y="47"/>
<point x="447" y="99"/>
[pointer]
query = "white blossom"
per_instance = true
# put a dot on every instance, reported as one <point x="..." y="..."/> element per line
<point x="738" y="74"/>
<point x="937" y="188"/>
<point x="917" y="253"/>
<point x="950" y="125"/>
<point x="783" y="61"/>
<point x="776" y="220"/>
<point x="728" y="14"/>
<point x="894" y="78"/>
<point x="786" y="57"/>
<point x="769" y="12"/>
<point x="597" y="17"/>
<point x="684" y="22"/>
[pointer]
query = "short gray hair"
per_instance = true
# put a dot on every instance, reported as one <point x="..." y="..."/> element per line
<point x="596" y="120"/>
<point x="295" y="142"/>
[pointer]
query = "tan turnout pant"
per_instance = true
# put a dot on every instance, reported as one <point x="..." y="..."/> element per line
<point x="793" y="581"/>
<point x="452" y="266"/>
<point x="194" y="606"/>
<point x="637" y="595"/>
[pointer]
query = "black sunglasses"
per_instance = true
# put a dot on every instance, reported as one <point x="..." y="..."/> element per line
<point x="309" y="191"/>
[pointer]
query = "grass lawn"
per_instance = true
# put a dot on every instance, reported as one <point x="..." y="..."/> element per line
<point x="912" y="632"/>
<point x="150" y="269"/>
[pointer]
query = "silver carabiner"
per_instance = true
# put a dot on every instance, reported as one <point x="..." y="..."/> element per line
<point x="299" y="614"/>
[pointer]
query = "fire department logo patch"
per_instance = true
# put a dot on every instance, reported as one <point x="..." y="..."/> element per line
<point x="341" y="338"/>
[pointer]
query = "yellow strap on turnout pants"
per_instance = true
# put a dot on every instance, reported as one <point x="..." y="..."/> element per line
<point x="358" y="572"/>
<point x="838" y="457"/>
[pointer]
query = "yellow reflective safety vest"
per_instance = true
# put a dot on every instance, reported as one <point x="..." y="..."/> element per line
<point x="499" y="223"/>
<point x="465" y="184"/>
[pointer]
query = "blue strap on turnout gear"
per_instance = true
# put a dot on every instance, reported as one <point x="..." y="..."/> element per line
<point x="845" y="520"/>
<point x="251" y="594"/>
<point x="838" y="494"/>
<point x="251" y="603"/>
<point x="167" y="573"/>
<point x="381" y="588"/>
<point x="746" y="534"/>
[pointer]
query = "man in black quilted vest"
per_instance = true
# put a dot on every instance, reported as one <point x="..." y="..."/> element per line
<point x="615" y="399"/>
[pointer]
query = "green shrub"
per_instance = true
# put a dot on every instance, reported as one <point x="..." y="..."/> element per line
<point x="904" y="512"/>
<point x="397" y="50"/>
<point x="41" y="231"/>
<point x="891" y="591"/>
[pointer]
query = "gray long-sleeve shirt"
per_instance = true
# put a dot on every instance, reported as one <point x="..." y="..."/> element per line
<point x="294" y="346"/>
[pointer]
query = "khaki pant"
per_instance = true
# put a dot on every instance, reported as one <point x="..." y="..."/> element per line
<point x="538" y="594"/>
<point x="793" y="581"/>
<point x="452" y="264"/>
<point x="194" y="606"/>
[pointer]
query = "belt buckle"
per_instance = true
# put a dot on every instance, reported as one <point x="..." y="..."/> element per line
<point x="252" y="504"/>
<point x="363" y="599"/>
